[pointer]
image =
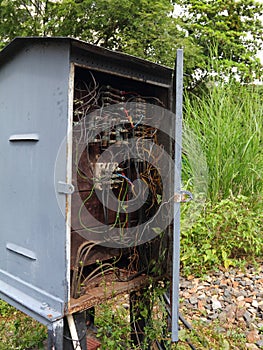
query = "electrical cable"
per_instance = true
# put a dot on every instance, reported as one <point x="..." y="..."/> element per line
<point x="90" y="96"/>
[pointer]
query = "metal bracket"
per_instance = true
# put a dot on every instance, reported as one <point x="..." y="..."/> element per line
<point x="65" y="188"/>
<point x="183" y="197"/>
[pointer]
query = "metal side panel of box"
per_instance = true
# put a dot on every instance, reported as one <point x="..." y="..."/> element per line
<point x="34" y="97"/>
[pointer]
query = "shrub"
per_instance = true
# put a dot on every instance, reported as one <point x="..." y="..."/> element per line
<point x="224" y="234"/>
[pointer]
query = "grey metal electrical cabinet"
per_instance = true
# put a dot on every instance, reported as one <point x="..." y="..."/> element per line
<point x="37" y="78"/>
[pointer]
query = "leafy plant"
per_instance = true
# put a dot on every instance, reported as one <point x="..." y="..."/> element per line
<point x="224" y="234"/>
<point x="18" y="331"/>
<point x="113" y="326"/>
<point x="114" y="323"/>
<point x="210" y="336"/>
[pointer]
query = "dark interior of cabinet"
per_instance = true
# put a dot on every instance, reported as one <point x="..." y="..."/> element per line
<point x="97" y="126"/>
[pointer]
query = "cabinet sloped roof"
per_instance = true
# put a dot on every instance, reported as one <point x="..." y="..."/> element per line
<point x="77" y="46"/>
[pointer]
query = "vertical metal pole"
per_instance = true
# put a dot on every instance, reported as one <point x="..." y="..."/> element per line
<point x="177" y="189"/>
<point x="73" y="332"/>
<point x="55" y="335"/>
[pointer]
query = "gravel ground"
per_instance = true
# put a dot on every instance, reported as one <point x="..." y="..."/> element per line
<point x="232" y="297"/>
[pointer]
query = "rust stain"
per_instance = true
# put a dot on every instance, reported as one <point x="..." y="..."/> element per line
<point x="92" y="344"/>
<point x="99" y="293"/>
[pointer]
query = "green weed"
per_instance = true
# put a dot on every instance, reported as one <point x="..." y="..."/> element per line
<point x="18" y="331"/>
<point x="227" y="124"/>
<point x="225" y="233"/>
<point x="211" y="336"/>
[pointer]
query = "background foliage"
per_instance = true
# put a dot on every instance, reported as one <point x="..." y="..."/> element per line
<point x="227" y="122"/>
<point x="233" y="27"/>
<point x="150" y="29"/>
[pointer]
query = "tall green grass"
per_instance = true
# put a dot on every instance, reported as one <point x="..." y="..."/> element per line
<point x="228" y="124"/>
<point x="223" y="161"/>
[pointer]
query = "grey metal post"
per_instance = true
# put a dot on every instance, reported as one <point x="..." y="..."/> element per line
<point x="177" y="189"/>
<point x="55" y="335"/>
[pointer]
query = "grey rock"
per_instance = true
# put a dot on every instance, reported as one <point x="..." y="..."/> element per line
<point x="259" y="343"/>
<point x="193" y="300"/>
<point x="247" y="317"/>
<point x="227" y="293"/>
<point x="216" y="304"/>
<point x="201" y="296"/>
<point x="208" y="307"/>
<point x="213" y="316"/>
